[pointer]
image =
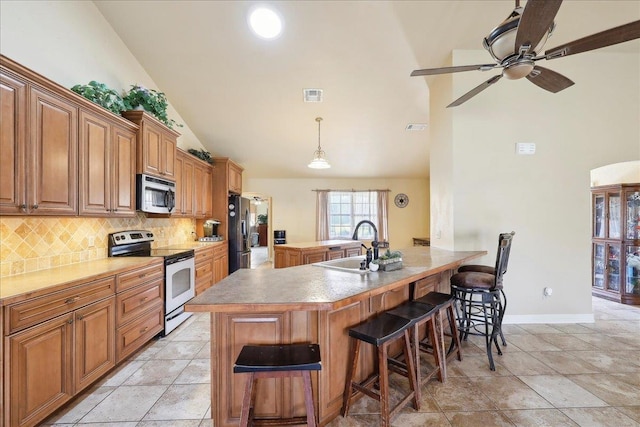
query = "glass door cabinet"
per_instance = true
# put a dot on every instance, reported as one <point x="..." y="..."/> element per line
<point x="615" y="263"/>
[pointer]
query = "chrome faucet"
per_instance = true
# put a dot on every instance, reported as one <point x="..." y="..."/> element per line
<point x="374" y="242"/>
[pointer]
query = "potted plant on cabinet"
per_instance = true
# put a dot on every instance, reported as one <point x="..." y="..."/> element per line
<point x="101" y="94"/>
<point x="150" y="100"/>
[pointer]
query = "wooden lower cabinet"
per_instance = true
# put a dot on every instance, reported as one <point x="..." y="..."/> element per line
<point x="55" y="345"/>
<point x="291" y="255"/>
<point x="204" y="268"/>
<point x="49" y="363"/>
<point x="220" y="262"/>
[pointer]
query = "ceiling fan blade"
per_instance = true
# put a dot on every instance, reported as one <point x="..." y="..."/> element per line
<point x="548" y="79"/>
<point x="473" y="92"/>
<point x="621" y="34"/>
<point x="535" y="21"/>
<point x="445" y="70"/>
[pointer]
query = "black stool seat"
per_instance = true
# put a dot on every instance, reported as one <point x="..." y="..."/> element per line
<point x="291" y="357"/>
<point x="435" y="298"/>
<point x="413" y="312"/>
<point x="479" y="268"/>
<point x="379" y="330"/>
<point x="382" y="332"/>
<point x="277" y="361"/>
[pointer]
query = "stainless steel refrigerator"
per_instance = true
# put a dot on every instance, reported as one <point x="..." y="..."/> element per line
<point x="239" y="245"/>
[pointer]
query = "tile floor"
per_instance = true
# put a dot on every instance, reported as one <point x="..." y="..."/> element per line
<point x="550" y="375"/>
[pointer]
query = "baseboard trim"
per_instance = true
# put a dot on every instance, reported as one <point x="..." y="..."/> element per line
<point x="548" y="318"/>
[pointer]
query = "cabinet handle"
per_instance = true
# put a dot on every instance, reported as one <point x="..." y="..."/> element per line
<point x="144" y="299"/>
<point x="142" y="275"/>
<point x="115" y="210"/>
<point x="143" y="330"/>
<point x="108" y="210"/>
<point x="72" y="300"/>
<point x="80" y="317"/>
<point x="23" y="207"/>
<point x="34" y="206"/>
<point x="70" y="321"/>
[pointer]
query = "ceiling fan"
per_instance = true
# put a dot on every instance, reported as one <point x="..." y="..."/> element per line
<point x="515" y="43"/>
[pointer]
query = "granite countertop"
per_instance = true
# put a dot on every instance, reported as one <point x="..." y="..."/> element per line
<point x="29" y="285"/>
<point x="318" y="244"/>
<point x="193" y="245"/>
<point x="309" y="287"/>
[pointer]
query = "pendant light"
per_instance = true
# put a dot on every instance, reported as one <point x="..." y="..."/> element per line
<point x="319" y="162"/>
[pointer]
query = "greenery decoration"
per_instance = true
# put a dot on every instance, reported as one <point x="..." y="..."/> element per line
<point x="150" y="100"/>
<point x="202" y="155"/>
<point x="390" y="255"/>
<point x="101" y="94"/>
<point x="262" y="218"/>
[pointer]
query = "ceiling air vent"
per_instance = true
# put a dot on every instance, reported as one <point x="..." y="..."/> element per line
<point x="416" y="126"/>
<point x="312" y="95"/>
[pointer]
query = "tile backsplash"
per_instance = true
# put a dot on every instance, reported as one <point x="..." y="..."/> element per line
<point x="36" y="243"/>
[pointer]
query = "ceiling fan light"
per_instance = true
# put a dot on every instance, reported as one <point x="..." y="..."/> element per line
<point x="518" y="69"/>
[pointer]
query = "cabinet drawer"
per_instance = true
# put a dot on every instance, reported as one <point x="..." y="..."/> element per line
<point x="204" y="283"/>
<point x="204" y="269"/>
<point x="312" y="257"/>
<point x="135" y="301"/>
<point x="220" y="250"/>
<point x="38" y="310"/>
<point x="133" y="336"/>
<point x="204" y="255"/>
<point x="335" y="253"/>
<point x="137" y="277"/>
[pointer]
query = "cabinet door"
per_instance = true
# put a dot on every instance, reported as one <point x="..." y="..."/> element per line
<point x="349" y="252"/>
<point x="95" y="339"/>
<point x="179" y="191"/>
<point x="613" y="267"/>
<point x="310" y="258"/>
<point x="199" y="195"/>
<point x="40" y="374"/>
<point x="614" y="216"/>
<point x="54" y="159"/>
<point x="632" y="214"/>
<point x="168" y="156"/>
<point x="13" y="117"/>
<point x="207" y="192"/>
<point x="335" y="253"/>
<point x="151" y="150"/>
<point x="598" y="216"/>
<point x="123" y="169"/>
<point x="235" y="179"/>
<point x="95" y="164"/>
<point x="188" y="174"/>
<point x="599" y="264"/>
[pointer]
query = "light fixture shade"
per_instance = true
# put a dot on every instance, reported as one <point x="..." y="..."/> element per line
<point x="319" y="162"/>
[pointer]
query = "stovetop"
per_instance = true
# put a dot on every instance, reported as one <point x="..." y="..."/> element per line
<point x="138" y="243"/>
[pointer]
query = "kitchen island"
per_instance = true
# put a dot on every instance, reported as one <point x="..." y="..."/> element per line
<point x="306" y="304"/>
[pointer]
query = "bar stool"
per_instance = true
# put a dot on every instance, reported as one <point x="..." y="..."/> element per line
<point x="444" y="303"/>
<point x="418" y="315"/>
<point x="481" y="298"/>
<point x="277" y="361"/>
<point x="381" y="331"/>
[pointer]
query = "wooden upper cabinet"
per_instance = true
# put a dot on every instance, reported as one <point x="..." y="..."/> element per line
<point x="53" y="176"/>
<point x="156" y="151"/>
<point x="235" y="178"/>
<point x="193" y="187"/>
<point x="107" y="167"/>
<point x="13" y="144"/>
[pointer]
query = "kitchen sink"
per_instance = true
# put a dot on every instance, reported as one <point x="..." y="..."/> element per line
<point x="351" y="264"/>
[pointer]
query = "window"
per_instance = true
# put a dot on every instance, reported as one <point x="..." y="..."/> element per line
<point x="347" y="208"/>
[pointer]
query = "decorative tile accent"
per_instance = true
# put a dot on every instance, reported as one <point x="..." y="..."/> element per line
<point x="30" y="244"/>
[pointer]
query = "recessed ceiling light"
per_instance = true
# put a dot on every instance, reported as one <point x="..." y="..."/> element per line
<point x="265" y="22"/>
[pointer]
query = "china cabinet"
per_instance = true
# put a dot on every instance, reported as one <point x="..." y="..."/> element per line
<point x="616" y="242"/>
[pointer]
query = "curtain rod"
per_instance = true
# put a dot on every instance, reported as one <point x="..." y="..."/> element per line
<point x="353" y="190"/>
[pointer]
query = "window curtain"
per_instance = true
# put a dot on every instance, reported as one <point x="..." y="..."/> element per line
<point x="383" y="214"/>
<point x="322" y="215"/>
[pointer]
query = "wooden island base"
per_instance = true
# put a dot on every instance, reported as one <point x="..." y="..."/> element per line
<point x="306" y="304"/>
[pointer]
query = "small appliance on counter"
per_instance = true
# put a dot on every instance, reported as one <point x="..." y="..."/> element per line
<point x="279" y="237"/>
<point x="211" y="231"/>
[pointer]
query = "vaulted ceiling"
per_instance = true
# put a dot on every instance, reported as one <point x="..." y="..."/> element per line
<point x="243" y="96"/>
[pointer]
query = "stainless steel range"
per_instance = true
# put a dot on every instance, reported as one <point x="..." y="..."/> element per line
<point x="179" y="271"/>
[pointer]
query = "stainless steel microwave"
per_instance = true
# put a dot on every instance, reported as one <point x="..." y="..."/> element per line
<point x="155" y="195"/>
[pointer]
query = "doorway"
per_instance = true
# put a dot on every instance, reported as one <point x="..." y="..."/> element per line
<point x="260" y="237"/>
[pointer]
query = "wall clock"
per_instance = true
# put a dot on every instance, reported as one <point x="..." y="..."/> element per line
<point x="401" y="200"/>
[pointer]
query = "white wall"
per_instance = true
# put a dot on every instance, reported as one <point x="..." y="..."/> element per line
<point x="545" y="198"/>
<point x="71" y="43"/>
<point x="294" y="205"/>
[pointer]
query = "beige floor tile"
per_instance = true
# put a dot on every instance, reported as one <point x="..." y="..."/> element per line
<point x="357" y="421"/>
<point x="566" y="341"/>
<point x="459" y="394"/>
<point x="599" y="417"/>
<point x="540" y="418"/>
<point x="572" y="328"/>
<point x="180" y="350"/>
<point x="522" y="363"/>
<point x="611" y="361"/>
<point x="156" y="372"/>
<point x="126" y="403"/>
<point x="532" y="343"/>
<point x="205" y="352"/>
<point x="477" y="365"/>
<point x="511" y="329"/>
<point x="615" y="326"/>
<point x="170" y="423"/>
<point x="182" y="402"/>
<point x="565" y="363"/>
<point x="116" y="424"/>
<point x="561" y="391"/>
<point x="196" y="372"/>
<point x="420" y="419"/>
<point x="540" y="329"/>
<point x="207" y="422"/>
<point x="118" y="376"/>
<point x="84" y="403"/>
<point x="632" y="378"/>
<point x="609" y="388"/>
<point x="510" y="393"/>
<point x="632" y="412"/>
<point x="475" y="419"/>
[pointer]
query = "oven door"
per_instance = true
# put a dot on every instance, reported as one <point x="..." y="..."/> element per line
<point x="180" y="283"/>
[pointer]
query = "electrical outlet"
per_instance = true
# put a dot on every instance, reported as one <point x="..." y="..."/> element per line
<point x="92" y="241"/>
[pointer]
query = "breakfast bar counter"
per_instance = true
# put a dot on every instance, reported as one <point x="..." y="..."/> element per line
<point x="306" y="304"/>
